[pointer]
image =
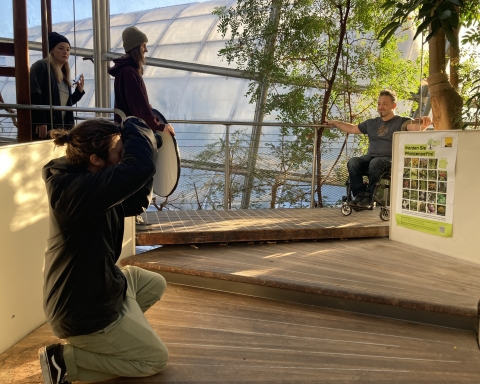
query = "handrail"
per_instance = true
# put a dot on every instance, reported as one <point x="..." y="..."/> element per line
<point x="211" y="122"/>
<point x="214" y="122"/>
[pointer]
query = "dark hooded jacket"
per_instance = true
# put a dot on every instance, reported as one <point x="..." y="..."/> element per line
<point x="40" y="95"/>
<point x="131" y="94"/>
<point x="83" y="288"/>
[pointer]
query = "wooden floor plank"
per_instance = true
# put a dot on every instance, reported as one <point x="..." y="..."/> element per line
<point x="361" y="268"/>
<point x="187" y="227"/>
<point x="277" y="311"/>
<point x="217" y="337"/>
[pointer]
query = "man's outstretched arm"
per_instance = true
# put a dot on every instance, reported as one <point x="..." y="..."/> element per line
<point x="419" y="124"/>
<point x="345" y="127"/>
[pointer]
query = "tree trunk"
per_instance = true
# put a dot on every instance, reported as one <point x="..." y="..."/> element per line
<point x="344" y="15"/>
<point x="436" y="48"/>
<point x="454" y="55"/>
<point x="446" y="102"/>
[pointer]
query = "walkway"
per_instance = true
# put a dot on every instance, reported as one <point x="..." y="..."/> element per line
<point x="217" y="337"/>
<point x="296" y="296"/>
<point x="191" y="227"/>
<point x="375" y="276"/>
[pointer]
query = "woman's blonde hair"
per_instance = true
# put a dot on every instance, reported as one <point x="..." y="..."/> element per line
<point x="62" y="73"/>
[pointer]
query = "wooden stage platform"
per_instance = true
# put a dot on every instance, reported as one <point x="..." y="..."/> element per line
<point x="373" y="276"/>
<point x="236" y="225"/>
<point x="318" y="304"/>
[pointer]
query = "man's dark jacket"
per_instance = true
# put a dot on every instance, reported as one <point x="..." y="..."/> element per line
<point x="40" y="95"/>
<point x="83" y="288"/>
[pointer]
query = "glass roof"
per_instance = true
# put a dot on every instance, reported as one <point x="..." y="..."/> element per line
<point x="187" y="33"/>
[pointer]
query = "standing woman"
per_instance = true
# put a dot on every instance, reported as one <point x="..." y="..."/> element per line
<point x="61" y="87"/>
<point x="130" y="92"/>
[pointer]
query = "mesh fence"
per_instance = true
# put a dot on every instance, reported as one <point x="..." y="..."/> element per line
<point x="269" y="167"/>
<point x="8" y="130"/>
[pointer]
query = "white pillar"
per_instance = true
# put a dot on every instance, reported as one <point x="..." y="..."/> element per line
<point x="101" y="45"/>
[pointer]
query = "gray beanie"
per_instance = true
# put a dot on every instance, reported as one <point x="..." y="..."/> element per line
<point x="132" y="38"/>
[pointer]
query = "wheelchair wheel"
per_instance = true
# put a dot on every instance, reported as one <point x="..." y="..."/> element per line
<point x="346" y="209"/>
<point x="385" y="214"/>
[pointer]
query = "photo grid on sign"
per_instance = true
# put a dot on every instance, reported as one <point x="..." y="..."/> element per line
<point x="424" y="186"/>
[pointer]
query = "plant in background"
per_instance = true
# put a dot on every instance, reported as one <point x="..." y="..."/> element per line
<point x="437" y="20"/>
<point x="310" y="60"/>
<point x="469" y="73"/>
<point x="211" y="162"/>
<point x="472" y="106"/>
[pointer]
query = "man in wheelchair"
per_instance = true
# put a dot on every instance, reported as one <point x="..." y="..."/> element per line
<point x="379" y="155"/>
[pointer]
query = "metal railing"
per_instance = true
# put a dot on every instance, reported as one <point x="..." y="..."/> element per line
<point x="297" y="177"/>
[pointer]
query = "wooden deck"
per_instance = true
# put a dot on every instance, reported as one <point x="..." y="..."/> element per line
<point x="250" y="300"/>
<point x="236" y="225"/>
<point x="374" y="276"/>
<point x="216" y="337"/>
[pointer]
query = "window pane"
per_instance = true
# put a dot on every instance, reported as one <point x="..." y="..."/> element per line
<point x="188" y="30"/>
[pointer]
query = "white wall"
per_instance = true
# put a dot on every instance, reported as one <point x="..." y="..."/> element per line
<point x="465" y="242"/>
<point x="23" y="234"/>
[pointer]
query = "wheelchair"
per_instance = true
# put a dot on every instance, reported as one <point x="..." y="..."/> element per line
<point x="381" y="198"/>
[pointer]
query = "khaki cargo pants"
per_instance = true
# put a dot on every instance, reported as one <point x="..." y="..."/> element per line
<point x="127" y="347"/>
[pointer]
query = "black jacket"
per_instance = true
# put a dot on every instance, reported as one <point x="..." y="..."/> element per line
<point x="83" y="288"/>
<point x="39" y="95"/>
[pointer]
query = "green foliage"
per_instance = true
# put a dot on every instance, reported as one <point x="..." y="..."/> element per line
<point x="318" y="60"/>
<point x="472" y="106"/>
<point x="284" y="184"/>
<point x="310" y="55"/>
<point x="470" y="20"/>
<point x="469" y="73"/>
<point x="434" y="16"/>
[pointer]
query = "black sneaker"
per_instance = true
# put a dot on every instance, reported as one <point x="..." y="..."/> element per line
<point x="366" y="201"/>
<point x="357" y="199"/>
<point x="53" y="364"/>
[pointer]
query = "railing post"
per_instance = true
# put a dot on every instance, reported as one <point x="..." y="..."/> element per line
<point x="22" y="69"/>
<point x="314" y="173"/>
<point x="227" y="168"/>
<point x="46" y="7"/>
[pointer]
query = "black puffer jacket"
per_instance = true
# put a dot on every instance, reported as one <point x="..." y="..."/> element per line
<point x="83" y="288"/>
<point x="40" y="95"/>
